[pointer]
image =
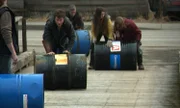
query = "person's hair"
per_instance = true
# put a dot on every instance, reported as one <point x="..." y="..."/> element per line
<point x="98" y="11"/>
<point x="119" y="21"/>
<point x="59" y="13"/>
<point x="2" y="2"/>
<point x="97" y="20"/>
<point x="72" y="6"/>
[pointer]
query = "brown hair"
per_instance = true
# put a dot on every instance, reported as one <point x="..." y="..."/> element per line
<point x="97" y="22"/>
<point x="2" y="2"/>
<point x="60" y="13"/>
<point x="119" y="21"/>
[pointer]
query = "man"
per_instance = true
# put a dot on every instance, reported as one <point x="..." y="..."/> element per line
<point x="125" y="30"/>
<point x="75" y="18"/>
<point x="8" y="35"/>
<point x="59" y="35"/>
<point x="101" y="26"/>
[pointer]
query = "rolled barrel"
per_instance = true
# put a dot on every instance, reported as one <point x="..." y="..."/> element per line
<point x="122" y="56"/>
<point x="82" y="42"/>
<point x="21" y="91"/>
<point x="62" y="71"/>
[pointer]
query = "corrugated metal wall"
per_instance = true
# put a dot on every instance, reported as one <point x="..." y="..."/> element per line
<point x="16" y="4"/>
<point x="114" y="7"/>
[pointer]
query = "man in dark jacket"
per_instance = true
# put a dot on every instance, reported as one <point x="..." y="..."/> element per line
<point x="75" y="18"/>
<point x="7" y="38"/>
<point x="125" y="30"/>
<point x="59" y="35"/>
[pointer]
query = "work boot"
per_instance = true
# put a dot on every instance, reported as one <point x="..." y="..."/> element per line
<point x="141" y="67"/>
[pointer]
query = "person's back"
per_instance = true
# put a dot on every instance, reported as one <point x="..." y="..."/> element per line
<point x="131" y="33"/>
<point x="7" y="38"/>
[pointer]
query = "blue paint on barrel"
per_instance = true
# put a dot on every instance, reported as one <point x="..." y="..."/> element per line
<point x="115" y="61"/>
<point x="21" y="91"/>
<point x="82" y="42"/>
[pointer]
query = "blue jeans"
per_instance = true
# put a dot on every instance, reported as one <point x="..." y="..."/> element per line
<point x="5" y="64"/>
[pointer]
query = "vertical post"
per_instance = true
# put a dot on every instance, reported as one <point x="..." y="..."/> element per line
<point x="179" y="67"/>
<point x="34" y="60"/>
<point x="24" y="38"/>
<point x="161" y="12"/>
<point x="17" y="31"/>
<point x="179" y="64"/>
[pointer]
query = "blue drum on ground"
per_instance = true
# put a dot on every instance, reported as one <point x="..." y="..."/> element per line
<point x="21" y="91"/>
<point x="82" y="42"/>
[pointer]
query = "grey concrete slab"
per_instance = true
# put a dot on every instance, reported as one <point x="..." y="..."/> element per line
<point x="158" y="86"/>
<point x="149" y="37"/>
<point x="144" y="26"/>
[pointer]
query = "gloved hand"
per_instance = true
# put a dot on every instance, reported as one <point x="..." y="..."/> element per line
<point x="109" y="43"/>
<point x="94" y="40"/>
<point x="66" y="52"/>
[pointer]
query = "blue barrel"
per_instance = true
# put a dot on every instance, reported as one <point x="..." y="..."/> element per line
<point x="82" y="42"/>
<point x="21" y="91"/>
<point x="122" y="56"/>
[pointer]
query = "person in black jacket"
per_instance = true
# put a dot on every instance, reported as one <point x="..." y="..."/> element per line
<point x="75" y="18"/>
<point x="59" y="34"/>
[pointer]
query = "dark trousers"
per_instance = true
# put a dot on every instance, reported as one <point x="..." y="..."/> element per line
<point x="92" y="49"/>
<point x="139" y="54"/>
<point x="58" y="51"/>
<point x="5" y="64"/>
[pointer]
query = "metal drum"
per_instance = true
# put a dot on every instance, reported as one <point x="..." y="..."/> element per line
<point x="21" y="91"/>
<point x="62" y="71"/>
<point x="82" y="42"/>
<point x="122" y="56"/>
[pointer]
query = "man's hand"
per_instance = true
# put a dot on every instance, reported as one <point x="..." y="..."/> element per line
<point x="51" y="53"/>
<point x="117" y="35"/>
<point x="109" y="43"/>
<point x="15" y="59"/>
<point x="66" y="52"/>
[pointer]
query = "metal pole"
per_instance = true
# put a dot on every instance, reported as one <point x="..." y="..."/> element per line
<point x="161" y="12"/>
<point x="24" y="37"/>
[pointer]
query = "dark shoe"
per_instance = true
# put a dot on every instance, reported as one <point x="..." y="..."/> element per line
<point x="90" y="68"/>
<point x="141" y="67"/>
